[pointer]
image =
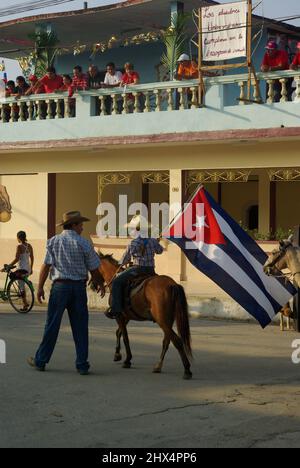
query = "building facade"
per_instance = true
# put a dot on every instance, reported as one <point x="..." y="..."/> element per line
<point x="246" y="154"/>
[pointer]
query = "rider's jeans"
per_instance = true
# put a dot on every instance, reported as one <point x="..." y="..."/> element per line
<point x="73" y="298"/>
<point x="119" y="284"/>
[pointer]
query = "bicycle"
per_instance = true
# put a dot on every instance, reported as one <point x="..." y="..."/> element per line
<point x="15" y="289"/>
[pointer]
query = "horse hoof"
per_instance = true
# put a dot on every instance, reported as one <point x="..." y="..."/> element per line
<point x="126" y="365"/>
<point x="188" y="376"/>
<point x="117" y="358"/>
<point x="156" y="370"/>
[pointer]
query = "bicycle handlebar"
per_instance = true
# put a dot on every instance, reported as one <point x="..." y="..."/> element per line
<point x="8" y="268"/>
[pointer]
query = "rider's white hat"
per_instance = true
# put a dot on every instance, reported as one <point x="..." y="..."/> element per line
<point x="138" y="222"/>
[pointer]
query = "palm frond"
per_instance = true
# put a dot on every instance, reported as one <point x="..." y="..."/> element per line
<point x="175" y="38"/>
<point x="46" y="49"/>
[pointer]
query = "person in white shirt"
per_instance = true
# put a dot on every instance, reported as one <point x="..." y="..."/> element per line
<point x="113" y="79"/>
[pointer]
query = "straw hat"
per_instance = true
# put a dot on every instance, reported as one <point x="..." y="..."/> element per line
<point x="72" y="217"/>
<point x="138" y="222"/>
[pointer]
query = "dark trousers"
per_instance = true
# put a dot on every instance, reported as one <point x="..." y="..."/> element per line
<point x="277" y="86"/>
<point x="118" y="286"/>
<point x="73" y="298"/>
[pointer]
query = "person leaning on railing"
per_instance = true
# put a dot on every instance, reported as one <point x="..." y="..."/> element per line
<point x="51" y="82"/>
<point x="80" y="79"/>
<point x="67" y="87"/>
<point x="276" y="60"/>
<point x="131" y="77"/>
<point x="112" y="79"/>
<point x="295" y="65"/>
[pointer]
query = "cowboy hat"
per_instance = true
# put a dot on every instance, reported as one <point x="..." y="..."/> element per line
<point x="72" y="217"/>
<point x="138" y="222"/>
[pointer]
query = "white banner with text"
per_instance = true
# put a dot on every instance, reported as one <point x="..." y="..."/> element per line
<point x="224" y="30"/>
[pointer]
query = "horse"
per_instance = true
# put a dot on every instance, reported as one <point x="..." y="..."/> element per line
<point x="287" y="256"/>
<point x="160" y="300"/>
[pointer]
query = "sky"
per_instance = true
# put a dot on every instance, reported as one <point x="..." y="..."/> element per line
<point x="269" y="8"/>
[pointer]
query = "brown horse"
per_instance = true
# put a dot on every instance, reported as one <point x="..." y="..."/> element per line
<point x="161" y="300"/>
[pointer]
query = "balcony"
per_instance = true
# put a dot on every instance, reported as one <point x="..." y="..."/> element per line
<point x="154" y="110"/>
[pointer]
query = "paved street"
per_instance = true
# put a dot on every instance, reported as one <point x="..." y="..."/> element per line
<point x="245" y="391"/>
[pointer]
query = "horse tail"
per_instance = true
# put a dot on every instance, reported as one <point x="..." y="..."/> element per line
<point x="182" y="317"/>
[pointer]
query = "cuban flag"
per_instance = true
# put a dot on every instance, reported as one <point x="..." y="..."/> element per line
<point x="217" y="246"/>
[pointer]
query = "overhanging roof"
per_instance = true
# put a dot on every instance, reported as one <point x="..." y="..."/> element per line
<point x="95" y="25"/>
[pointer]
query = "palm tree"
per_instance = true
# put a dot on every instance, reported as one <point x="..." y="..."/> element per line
<point x="46" y="49"/>
<point x="175" y="38"/>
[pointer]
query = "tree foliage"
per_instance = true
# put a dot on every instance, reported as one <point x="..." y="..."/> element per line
<point x="46" y="50"/>
<point x="175" y="38"/>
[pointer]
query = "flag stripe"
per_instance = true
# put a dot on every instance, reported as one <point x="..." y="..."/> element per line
<point x="241" y="262"/>
<point x="220" y="276"/>
<point x="224" y="261"/>
<point x="272" y="286"/>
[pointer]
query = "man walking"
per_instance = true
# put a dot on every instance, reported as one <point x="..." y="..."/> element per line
<point x="69" y="258"/>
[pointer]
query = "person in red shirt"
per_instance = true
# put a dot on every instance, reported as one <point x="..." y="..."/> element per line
<point x="51" y="81"/>
<point x="67" y="86"/>
<point x="275" y="60"/>
<point x="295" y="65"/>
<point x="80" y="80"/>
<point x="131" y="77"/>
<point x="40" y="89"/>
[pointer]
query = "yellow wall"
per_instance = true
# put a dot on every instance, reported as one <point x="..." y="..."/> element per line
<point x="288" y="204"/>
<point x="29" y="199"/>
<point x="77" y="192"/>
<point x="237" y="199"/>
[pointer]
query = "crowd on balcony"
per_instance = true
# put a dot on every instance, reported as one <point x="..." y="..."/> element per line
<point x="80" y="81"/>
<point x="275" y="59"/>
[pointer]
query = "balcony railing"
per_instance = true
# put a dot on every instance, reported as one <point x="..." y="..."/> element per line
<point x="153" y="97"/>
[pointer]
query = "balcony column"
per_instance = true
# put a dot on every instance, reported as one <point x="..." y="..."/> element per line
<point x="176" y="7"/>
<point x="267" y="204"/>
<point x="176" y="259"/>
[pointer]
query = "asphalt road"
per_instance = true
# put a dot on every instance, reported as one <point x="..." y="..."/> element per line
<point x="245" y="391"/>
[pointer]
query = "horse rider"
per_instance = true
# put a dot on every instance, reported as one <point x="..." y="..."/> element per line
<point x="141" y="250"/>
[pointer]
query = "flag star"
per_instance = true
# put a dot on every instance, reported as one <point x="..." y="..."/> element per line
<point x="201" y="223"/>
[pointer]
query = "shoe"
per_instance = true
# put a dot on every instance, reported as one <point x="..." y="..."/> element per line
<point x="83" y="371"/>
<point x="31" y="362"/>
<point x="110" y="314"/>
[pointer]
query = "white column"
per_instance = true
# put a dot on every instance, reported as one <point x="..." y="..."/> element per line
<point x="176" y="259"/>
<point x="264" y="202"/>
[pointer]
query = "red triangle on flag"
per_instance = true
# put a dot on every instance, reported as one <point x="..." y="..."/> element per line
<point x="197" y="222"/>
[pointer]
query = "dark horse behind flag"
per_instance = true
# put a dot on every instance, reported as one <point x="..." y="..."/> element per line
<point x="160" y="300"/>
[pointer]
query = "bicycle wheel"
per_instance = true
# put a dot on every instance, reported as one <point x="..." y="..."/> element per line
<point x="17" y="291"/>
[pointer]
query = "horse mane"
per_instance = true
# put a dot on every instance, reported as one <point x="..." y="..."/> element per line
<point x="108" y="257"/>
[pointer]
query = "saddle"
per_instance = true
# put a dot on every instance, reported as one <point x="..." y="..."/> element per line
<point x="133" y="287"/>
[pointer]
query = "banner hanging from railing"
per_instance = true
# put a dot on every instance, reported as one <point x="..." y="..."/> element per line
<point x="224" y="33"/>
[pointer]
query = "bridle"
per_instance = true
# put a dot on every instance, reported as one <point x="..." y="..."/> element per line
<point x="287" y="276"/>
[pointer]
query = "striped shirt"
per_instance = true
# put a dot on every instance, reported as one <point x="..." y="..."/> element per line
<point x="142" y="251"/>
<point x="80" y="83"/>
<point x="71" y="257"/>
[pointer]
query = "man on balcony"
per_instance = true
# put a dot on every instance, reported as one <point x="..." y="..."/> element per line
<point x="113" y="79"/>
<point x="80" y="80"/>
<point x="275" y="60"/>
<point x="295" y="65"/>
